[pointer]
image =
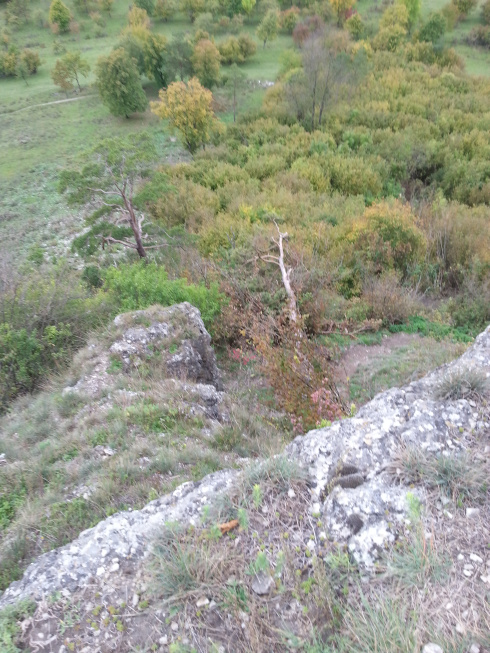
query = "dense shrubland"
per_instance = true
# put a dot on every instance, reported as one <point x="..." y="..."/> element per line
<point x="371" y="151"/>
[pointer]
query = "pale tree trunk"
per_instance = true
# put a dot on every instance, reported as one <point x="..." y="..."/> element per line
<point x="285" y="274"/>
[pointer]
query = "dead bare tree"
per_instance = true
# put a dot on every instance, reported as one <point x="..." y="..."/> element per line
<point x="285" y="273"/>
<point x="328" y="72"/>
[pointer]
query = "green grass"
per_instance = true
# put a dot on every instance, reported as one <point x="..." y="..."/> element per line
<point x="37" y="141"/>
<point x="436" y="330"/>
<point x="10" y="629"/>
<point x="401" y="366"/>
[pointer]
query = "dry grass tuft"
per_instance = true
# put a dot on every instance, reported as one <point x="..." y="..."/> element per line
<point x="464" y="383"/>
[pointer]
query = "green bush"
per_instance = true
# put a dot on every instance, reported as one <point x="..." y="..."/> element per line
<point x="59" y="15"/>
<point x="147" y="5"/>
<point x="138" y="286"/>
<point x="10" y="619"/>
<point x="418" y="324"/>
<point x="386" y="237"/>
<point x="485" y="13"/>
<point x="434" y="29"/>
<point x="45" y="316"/>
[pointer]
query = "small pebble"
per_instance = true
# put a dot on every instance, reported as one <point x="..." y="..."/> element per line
<point x="472" y="513"/>
<point x="476" y="558"/>
<point x="163" y="640"/>
<point x="135" y="600"/>
<point x="474" y="648"/>
<point x="202" y="601"/>
<point x="174" y="626"/>
<point x="291" y="493"/>
<point x="432" y="648"/>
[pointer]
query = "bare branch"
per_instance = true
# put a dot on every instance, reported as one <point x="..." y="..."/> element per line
<point x="110" y="239"/>
<point x="104" y="192"/>
<point x="285" y="272"/>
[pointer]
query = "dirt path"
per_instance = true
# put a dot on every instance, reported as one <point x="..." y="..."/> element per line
<point x="46" y="104"/>
<point x="358" y="355"/>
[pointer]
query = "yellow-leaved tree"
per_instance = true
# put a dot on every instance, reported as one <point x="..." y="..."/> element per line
<point x="188" y="108"/>
<point x="341" y="7"/>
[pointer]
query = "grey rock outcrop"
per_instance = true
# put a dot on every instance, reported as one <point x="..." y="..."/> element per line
<point x="177" y="334"/>
<point x="118" y="542"/>
<point x="351" y="464"/>
<point x="173" y="338"/>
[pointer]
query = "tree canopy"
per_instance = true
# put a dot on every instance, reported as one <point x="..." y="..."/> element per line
<point x="60" y="15"/>
<point x="119" y="84"/>
<point x="188" y="107"/>
<point x="267" y="30"/>
<point x="109" y="174"/>
<point x="68" y="71"/>
<point x="206" y="62"/>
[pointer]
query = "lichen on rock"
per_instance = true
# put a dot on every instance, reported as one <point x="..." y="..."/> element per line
<point x="356" y="490"/>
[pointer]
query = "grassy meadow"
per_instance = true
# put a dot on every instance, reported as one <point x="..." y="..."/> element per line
<point x="36" y="141"/>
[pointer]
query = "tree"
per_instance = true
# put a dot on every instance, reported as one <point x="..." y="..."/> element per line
<point x="413" y="9"/>
<point x="434" y="29"/>
<point x="147" y="5"/>
<point x="289" y="19"/>
<point x="192" y="8"/>
<point x="326" y="73"/>
<point x="267" y="30"/>
<point x="60" y="15"/>
<point x="236" y="81"/>
<point x="19" y="64"/>
<point x="119" y="84"/>
<point x="148" y="50"/>
<point x="17" y="12"/>
<point x="393" y="28"/>
<point x="206" y="62"/>
<point x="355" y="26"/>
<point x="31" y="60"/>
<point x="485" y="13"/>
<point x="138" y="18"/>
<point x="109" y="175"/>
<point x="341" y="7"/>
<point x="465" y="6"/>
<point x="188" y="107"/>
<point x="21" y="70"/>
<point x="178" y="58"/>
<point x="83" y="5"/>
<point x="106" y="5"/>
<point x="69" y="69"/>
<point x="395" y="15"/>
<point x="165" y="9"/>
<point x="248" y="6"/>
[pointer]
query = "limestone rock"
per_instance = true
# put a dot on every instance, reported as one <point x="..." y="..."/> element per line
<point x="177" y="334"/>
<point x="349" y="462"/>
<point x="262" y="583"/>
<point x="173" y="338"/>
<point x="125" y="536"/>
<point x="432" y="648"/>
<point x="365" y="512"/>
